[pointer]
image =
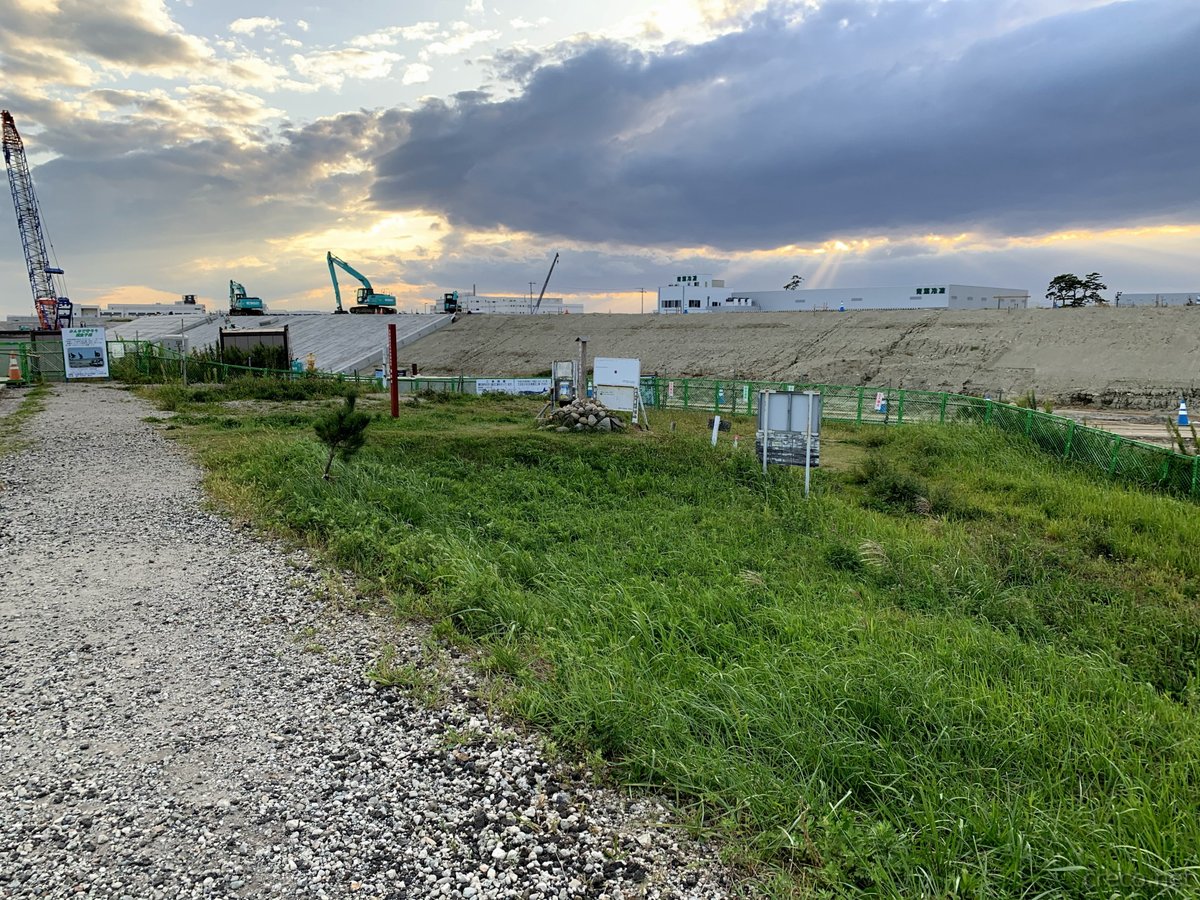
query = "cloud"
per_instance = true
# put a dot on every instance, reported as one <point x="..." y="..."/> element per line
<point x="855" y="117"/>
<point x="458" y="39"/>
<point x="520" y="24"/>
<point x="331" y="68"/>
<point x="251" y="25"/>
<point x="121" y="33"/>
<point x="387" y="37"/>
<point x="417" y="73"/>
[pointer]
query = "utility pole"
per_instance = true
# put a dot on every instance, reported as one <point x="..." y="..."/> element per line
<point x="531" y="284"/>
<point x="643" y="290"/>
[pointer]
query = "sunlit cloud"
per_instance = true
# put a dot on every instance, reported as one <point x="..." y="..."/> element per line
<point x="331" y="68"/>
<point x="251" y="25"/>
<point x="416" y="73"/>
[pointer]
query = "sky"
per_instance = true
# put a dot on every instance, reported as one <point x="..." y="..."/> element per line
<point x="437" y="146"/>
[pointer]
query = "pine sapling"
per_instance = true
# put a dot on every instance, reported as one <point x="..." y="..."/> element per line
<point x="343" y="430"/>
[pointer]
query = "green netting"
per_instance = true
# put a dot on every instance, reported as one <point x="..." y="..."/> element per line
<point x="1117" y="457"/>
<point x="1112" y="455"/>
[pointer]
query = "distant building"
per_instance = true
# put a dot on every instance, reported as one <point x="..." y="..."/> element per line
<point x="703" y="293"/>
<point x="515" y="306"/>
<point x="1177" y="299"/>
<point x="178" y="308"/>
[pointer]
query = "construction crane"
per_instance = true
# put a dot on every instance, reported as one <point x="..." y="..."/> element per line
<point x="241" y="305"/>
<point x="553" y="263"/>
<point x="366" y="300"/>
<point x="53" y="309"/>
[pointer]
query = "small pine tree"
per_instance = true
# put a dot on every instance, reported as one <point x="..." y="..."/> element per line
<point x="343" y="430"/>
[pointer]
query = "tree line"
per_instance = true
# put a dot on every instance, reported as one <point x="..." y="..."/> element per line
<point x="1071" y="290"/>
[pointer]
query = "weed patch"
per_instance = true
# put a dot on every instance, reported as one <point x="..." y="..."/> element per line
<point x="990" y="693"/>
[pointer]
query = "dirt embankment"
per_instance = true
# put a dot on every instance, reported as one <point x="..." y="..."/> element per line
<point x="1138" y="357"/>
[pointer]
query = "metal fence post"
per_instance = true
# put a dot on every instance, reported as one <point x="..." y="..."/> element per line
<point x="686" y="382"/>
<point x="942" y="414"/>
<point x="1195" y="474"/>
<point x="900" y="409"/>
<point x="988" y="407"/>
<point x="1112" y="462"/>
<point x="1029" y="422"/>
<point x="858" y="414"/>
<point x="1070" y="439"/>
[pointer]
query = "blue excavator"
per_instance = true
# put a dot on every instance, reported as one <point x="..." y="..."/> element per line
<point x="241" y="305"/>
<point x="366" y="300"/>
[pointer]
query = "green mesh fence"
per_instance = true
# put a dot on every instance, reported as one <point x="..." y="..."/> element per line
<point x="1120" y="458"/>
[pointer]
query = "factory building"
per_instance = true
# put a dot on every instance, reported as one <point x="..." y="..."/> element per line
<point x="703" y="293"/>
<point x="1179" y="299"/>
<point x="512" y="306"/>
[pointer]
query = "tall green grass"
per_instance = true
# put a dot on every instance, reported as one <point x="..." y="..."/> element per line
<point x="958" y="670"/>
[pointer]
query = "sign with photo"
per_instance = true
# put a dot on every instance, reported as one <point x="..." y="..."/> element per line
<point x="85" y="354"/>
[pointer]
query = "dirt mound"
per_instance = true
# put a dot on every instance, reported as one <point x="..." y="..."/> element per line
<point x="1136" y="357"/>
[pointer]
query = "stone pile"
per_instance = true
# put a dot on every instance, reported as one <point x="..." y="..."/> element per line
<point x="583" y="415"/>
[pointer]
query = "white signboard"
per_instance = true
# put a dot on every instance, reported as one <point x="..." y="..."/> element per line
<point x="85" y="354"/>
<point x="621" y="399"/>
<point x="617" y="372"/>
<point x="512" y="385"/>
<point x="880" y="402"/>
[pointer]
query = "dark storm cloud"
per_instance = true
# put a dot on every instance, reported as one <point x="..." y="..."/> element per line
<point x="861" y="118"/>
<point x="205" y="195"/>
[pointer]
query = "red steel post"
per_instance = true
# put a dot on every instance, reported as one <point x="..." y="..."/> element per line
<point x="395" y="372"/>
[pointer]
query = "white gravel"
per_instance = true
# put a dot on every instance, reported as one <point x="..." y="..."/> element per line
<point x="183" y="713"/>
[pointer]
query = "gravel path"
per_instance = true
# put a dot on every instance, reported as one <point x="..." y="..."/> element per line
<point x="183" y="713"/>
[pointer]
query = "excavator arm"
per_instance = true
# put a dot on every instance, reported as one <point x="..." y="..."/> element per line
<point x="337" y="292"/>
<point x="553" y="263"/>
<point x="367" y="299"/>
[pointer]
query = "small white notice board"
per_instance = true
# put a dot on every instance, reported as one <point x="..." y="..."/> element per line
<point x="85" y="354"/>
<point x="618" y="384"/>
<point x="613" y="372"/>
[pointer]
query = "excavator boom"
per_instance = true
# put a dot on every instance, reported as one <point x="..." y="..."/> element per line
<point x="553" y="263"/>
<point x="367" y="300"/>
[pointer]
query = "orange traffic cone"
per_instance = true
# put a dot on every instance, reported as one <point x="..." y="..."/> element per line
<point x="14" y="370"/>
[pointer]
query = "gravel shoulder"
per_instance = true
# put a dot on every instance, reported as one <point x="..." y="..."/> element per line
<point x="183" y="713"/>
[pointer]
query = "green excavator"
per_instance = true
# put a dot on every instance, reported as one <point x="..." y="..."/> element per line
<point x="367" y="301"/>
<point x="241" y="305"/>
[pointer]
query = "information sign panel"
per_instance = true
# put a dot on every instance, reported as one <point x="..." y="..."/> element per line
<point x="512" y="385"/>
<point x="620" y="399"/>
<point x="616" y="372"/>
<point x="85" y="354"/>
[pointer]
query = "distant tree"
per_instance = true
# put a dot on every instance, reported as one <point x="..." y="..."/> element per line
<point x="1092" y="286"/>
<point x="344" y="431"/>
<point x="794" y="283"/>
<point x="1071" y="290"/>
<point x="1064" y="290"/>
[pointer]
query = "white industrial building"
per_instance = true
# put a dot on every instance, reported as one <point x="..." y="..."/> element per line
<point x="512" y="306"/>
<point x="1177" y="299"/>
<point x="703" y="294"/>
<point x="178" y="308"/>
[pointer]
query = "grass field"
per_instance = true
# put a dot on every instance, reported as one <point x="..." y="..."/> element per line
<point x="958" y="670"/>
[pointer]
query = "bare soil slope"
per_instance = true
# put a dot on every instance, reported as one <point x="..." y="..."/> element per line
<point x="1118" y="357"/>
